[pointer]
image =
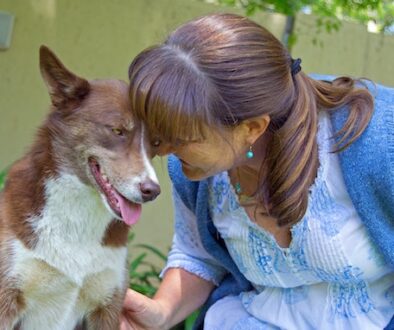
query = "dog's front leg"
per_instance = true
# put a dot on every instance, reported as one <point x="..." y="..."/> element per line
<point x="11" y="306"/>
<point x="106" y="317"/>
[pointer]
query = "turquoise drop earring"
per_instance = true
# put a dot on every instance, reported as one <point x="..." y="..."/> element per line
<point x="249" y="153"/>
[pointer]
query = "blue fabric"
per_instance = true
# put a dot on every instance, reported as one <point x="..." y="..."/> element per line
<point x="368" y="170"/>
<point x="195" y="196"/>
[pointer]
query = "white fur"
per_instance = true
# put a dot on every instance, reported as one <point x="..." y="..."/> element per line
<point x="73" y="270"/>
<point x="150" y="172"/>
<point x="131" y="188"/>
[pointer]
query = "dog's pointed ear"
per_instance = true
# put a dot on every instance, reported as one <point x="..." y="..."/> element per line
<point x="63" y="85"/>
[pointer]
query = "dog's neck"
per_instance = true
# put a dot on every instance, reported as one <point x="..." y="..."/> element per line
<point x="71" y="227"/>
<point x="73" y="212"/>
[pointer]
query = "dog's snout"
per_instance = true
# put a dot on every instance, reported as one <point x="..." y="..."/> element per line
<point x="149" y="190"/>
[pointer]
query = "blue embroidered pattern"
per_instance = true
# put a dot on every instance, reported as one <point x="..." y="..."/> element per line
<point x="258" y="245"/>
<point x="349" y="292"/>
<point x="269" y="256"/>
<point x="297" y="251"/>
<point x="220" y="191"/>
<point x="223" y="198"/>
<point x="299" y="259"/>
<point x="332" y="216"/>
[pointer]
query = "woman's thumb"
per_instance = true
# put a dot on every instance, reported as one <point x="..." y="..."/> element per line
<point x="143" y="311"/>
<point x="136" y="302"/>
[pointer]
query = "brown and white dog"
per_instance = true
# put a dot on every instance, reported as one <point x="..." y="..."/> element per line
<point x="67" y="206"/>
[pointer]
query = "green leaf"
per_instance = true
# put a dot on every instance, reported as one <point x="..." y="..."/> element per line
<point x="131" y="236"/>
<point x="153" y="250"/>
<point x="292" y="40"/>
<point x="144" y="289"/>
<point x="137" y="262"/>
<point x="329" y="13"/>
<point x="3" y="175"/>
<point x="189" y="322"/>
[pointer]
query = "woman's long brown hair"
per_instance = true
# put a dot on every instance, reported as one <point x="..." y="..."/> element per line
<point x="221" y="69"/>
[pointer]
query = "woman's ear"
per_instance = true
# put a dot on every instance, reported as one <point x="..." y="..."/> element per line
<point x="255" y="127"/>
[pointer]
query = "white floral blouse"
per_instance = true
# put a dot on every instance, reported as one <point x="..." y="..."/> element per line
<point x="330" y="277"/>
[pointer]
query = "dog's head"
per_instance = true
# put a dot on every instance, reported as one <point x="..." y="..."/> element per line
<point x="95" y="137"/>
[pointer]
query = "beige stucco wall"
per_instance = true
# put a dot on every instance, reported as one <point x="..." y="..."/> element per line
<point x="99" y="38"/>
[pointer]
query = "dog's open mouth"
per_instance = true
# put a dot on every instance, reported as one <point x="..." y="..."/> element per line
<point x="127" y="210"/>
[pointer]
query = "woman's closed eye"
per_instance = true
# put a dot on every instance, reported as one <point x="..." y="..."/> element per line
<point x="182" y="143"/>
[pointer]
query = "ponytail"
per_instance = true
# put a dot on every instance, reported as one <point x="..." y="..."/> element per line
<point x="292" y="156"/>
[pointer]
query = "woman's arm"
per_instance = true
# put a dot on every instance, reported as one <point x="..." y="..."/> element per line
<point x="188" y="278"/>
<point x="179" y="294"/>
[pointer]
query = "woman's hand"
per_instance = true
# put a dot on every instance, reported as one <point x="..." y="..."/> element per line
<point x="141" y="312"/>
<point x="179" y="294"/>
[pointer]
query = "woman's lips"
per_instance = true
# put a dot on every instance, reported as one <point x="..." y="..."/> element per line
<point x="185" y="163"/>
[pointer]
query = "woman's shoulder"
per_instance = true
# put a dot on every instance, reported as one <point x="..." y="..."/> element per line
<point x="380" y="92"/>
<point x="378" y="138"/>
<point x="368" y="168"/>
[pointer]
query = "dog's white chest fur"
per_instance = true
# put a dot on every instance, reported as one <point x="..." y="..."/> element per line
<point x="69" y="271"/>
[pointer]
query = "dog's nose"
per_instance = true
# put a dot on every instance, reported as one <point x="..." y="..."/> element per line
<point x="149" y="190"/>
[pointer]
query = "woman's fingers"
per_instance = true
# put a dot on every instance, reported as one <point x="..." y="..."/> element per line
<point x="137" y="303"/>
<point x="124" y="324"/>
<point x="141" y="312"/>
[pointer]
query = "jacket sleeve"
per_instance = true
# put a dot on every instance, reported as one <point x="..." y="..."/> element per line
<point x="187" y="251"/>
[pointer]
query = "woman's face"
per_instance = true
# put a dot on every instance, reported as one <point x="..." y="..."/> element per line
<point x="218" y="152"/>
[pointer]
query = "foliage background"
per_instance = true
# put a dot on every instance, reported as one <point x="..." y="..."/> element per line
<point x="329" y="14"/>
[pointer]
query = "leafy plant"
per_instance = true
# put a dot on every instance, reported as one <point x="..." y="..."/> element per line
<point x="144" y="274"/>
<point x="189" y="322"/>
<point x="329" y="13"/>
<point x="3" y="175"/>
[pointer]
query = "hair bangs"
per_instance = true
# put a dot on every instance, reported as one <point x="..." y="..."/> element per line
<point x="172" y="101"/>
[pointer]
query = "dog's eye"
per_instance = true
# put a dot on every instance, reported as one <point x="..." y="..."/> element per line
<point x="117" y="131"/>
<point x="156" y="143"/>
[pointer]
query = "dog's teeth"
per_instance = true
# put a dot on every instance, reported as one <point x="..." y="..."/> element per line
<point x="105" y="177"/>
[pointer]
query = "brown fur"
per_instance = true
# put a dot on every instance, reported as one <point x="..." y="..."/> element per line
<point x="116" y="234"/>
<point x="106" y="317"/>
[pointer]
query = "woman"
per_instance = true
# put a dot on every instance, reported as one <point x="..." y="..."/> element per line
<point x="273" y="230"/>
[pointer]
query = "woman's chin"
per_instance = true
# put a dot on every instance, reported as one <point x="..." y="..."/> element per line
<point x="193" y="173"/>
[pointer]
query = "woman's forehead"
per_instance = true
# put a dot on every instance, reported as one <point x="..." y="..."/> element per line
<point x="174" y="132"/>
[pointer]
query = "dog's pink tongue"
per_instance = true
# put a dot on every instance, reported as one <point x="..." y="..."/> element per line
<point x="130" y="211"/>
